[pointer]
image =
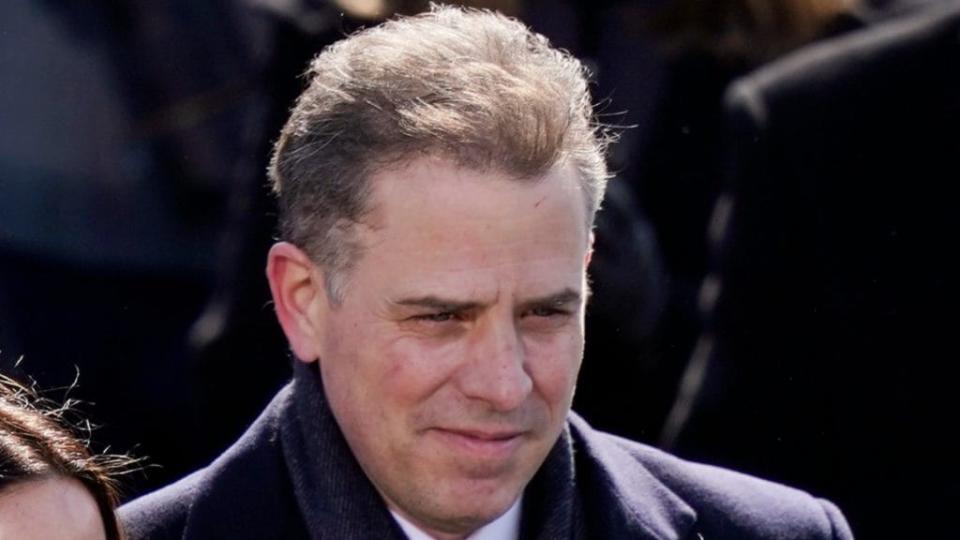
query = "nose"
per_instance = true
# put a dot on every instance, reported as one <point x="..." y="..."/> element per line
<point x="496" y="368"/>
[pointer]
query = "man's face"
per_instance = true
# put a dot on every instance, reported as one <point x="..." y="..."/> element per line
<point x="450" y="363"/>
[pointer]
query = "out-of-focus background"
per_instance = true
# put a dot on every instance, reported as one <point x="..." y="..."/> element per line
<point x="774" y="282"/>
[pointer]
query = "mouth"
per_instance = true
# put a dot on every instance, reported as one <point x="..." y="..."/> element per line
<point x="489" y="444"/>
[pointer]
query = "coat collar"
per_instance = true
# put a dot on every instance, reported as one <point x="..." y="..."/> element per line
<point x="338" y="501"/>
<point x="333" y="493"/>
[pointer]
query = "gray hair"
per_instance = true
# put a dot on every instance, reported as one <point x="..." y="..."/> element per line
<point x="470" y="86"/>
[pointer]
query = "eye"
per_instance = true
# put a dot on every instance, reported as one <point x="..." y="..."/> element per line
<point x="547" y="318"/>
<point x="444" y="316"/>
<point x="546" y="311"/>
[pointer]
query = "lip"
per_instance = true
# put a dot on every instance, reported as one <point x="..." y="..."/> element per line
<point x="492" y="444"/>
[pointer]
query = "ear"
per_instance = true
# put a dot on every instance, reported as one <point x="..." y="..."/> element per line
<point x="589" y="254"/>
<point x="299" y="298"/>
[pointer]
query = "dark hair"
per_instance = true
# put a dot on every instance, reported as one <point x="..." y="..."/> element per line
<point x="470" y="86"/>
<point x="749" y="32"/>
<point x="35" y="443"/>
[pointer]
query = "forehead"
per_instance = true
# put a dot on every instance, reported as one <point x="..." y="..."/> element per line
<point x="424" y="190"/>
<point x="53" y="507"/>
<point x="436" y="220"/>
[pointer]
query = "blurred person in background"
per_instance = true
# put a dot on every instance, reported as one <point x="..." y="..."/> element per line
<point x="667" y="63"/>
<point x="51" y="485"/>
<point x="827" y="360"/>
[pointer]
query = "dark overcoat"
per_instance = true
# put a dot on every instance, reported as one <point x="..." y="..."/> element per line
<point x="292" y="475"/>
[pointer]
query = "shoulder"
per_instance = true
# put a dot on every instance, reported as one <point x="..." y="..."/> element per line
<point x="161" y="514"/>
<point x="730" y="501"/>
<point x="725" y="503"/>
<point x="224" y="496"/>
<point x="858" y="66"/>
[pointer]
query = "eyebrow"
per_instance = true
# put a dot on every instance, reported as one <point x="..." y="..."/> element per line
<point x="437" y="303"/>
<point x="564" y="297"/>
<point x="559" y="299"/>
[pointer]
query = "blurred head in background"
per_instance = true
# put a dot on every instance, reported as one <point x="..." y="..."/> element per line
<point x="748" y="31"/>
<point x="51" y="485"/>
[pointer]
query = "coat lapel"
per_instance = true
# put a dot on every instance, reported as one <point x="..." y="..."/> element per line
<point x="246" y="492"/>
<point x="622" y="499"/>
<point x="552" y="507"/>
<point x="290" y="476"/>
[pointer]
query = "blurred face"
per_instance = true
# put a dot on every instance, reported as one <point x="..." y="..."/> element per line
<point x="55" y="507"/>
<point x="450" y="364"/>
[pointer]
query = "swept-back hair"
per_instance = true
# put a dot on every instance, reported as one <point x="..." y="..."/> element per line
<point x="470" y="86"/>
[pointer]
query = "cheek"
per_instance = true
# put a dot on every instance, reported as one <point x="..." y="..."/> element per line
<point x="384" y="372"/>
<point x="415" y="368"/>
<point x="554" y="367"/>
<point x="349" y="371"/>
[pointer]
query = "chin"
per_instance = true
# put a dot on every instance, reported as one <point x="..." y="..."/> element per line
<point x="469" y="520"/>
<point x="483" y="504"/>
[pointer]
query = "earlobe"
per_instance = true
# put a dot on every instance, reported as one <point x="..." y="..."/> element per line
<point x="298" y="298"/>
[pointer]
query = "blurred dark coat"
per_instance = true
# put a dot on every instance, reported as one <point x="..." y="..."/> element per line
<point x="292" y="475"/>
<point x="833" y="349"/>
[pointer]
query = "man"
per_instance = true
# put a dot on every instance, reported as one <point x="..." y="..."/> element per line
<point x="437" y="184"/>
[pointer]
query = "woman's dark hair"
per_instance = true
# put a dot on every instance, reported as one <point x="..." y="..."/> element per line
<point x="36" y="442"/>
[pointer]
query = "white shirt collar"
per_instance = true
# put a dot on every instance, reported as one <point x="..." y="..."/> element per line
<point x="505" y="527"/>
